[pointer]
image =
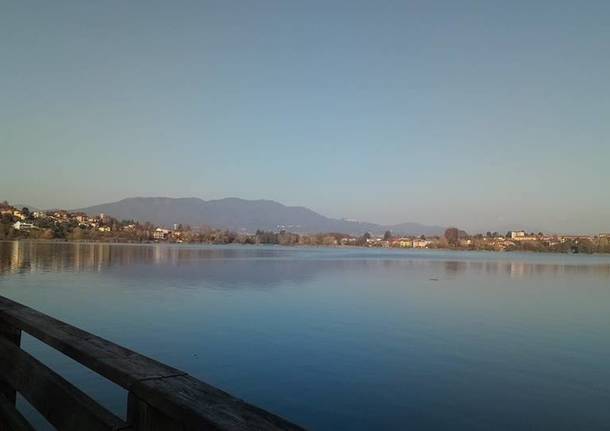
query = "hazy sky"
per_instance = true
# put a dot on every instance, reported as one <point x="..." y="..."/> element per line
<point x="482" y="114"/>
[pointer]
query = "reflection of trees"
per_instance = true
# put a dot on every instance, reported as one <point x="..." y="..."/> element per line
<point x="252" y="265"/>
<point x="453" y="267"/>
<point x="259" y="266"/>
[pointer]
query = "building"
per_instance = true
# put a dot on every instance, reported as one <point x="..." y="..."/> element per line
<point x="521" y="235"/>
<point x="61" y="215"/>
<point x="421" y="243"/>
<point x="161" y="233"/>
<point x="23" y="226"/>
<point x="18" y="214"/>
<point x="402" y="243"/>
<point x="348" y="241"/>
<point x="517" y="234"/>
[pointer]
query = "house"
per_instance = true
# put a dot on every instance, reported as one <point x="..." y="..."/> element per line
<point x="421" y="243"/>
<point x="18" y="214"/>
<point x="104" y="229"/>
<point x="161" y="233"/>
<point x="517" y="234"/>
<point x="348" y="241"/>
<point x="5" y="209"/>
<point x="61" y="215"/>
<point x="23" y="226"/>
<point x="521" y="235"/>
<point x="402" y="243"/>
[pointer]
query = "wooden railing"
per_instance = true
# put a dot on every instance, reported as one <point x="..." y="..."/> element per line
<point x="159" y="397"/>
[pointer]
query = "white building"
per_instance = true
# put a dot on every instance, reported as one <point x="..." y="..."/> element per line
<point x="23" y="226"/>
<point x="160" y="233"/>
<point x="516" y="234"/>
<point x="521" y="235"/>
<point x="421" y="243"/>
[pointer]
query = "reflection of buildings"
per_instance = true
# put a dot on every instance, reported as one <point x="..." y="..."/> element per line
<point x="16" y="257"/>
<point x="517" y="269"/>
<point x="266" y="266"/>
<point x="28" y="256"/>
<point x="521" y="269"/>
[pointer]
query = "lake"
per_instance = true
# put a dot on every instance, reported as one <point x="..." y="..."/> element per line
<point x="335" y="338"/>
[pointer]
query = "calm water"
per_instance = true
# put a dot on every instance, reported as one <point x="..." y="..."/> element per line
<point x="342" y="338"/>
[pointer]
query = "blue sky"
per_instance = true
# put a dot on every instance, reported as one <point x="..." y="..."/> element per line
<point x="484" y="114"/>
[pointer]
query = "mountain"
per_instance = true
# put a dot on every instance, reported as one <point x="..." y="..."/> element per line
<point x="243" y="215"/>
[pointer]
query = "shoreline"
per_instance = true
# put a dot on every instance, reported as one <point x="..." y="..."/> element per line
<point x="304" y="246"/>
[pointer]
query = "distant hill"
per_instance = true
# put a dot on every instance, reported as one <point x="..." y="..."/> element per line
<point x="243" y="215"/>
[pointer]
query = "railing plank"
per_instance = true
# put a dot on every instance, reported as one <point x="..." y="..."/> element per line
<point x="60" y="402"/>
<point x="197" y="405"/>
<point x="10" y="418"/>
<point x="161" y="397"/>
<point x="118" y="364"/>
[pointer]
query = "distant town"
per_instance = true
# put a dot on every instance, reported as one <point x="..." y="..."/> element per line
<point x="21" y="223"/>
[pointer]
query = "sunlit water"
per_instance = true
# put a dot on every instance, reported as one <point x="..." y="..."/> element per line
<point x="341" y="338"/>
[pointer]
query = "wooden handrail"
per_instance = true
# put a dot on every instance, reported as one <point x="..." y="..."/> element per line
<point x="160" y="397"/>
<point x="64" y="405"/>
<point x="10" y="418"/>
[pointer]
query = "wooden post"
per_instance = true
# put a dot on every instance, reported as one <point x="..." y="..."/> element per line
<point x="14" y="336"/>
<point x="143" y="417"/>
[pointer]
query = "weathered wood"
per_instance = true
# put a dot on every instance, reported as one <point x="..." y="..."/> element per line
<point x="10" y="418"/>
<point x="143" y="417"/>
<point x="12" y="335"/>
<point x="160" y="397"/>
<point x="197" y="405"/>
<point x="60" y="402"/>
<point x="118" y="364"/>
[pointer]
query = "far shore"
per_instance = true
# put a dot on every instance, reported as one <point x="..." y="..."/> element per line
<point x="346" y="247"/>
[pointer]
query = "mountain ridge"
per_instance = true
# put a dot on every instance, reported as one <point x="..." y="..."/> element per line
<point x="243" y="215"/>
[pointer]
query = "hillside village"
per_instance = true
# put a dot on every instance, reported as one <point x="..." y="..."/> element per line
<point x="21" y="223"/>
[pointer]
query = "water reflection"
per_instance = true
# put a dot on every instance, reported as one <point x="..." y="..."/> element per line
<point x="519" y="269"/>
<point x="462" y="340"/>
<point x="273" y="265"/>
